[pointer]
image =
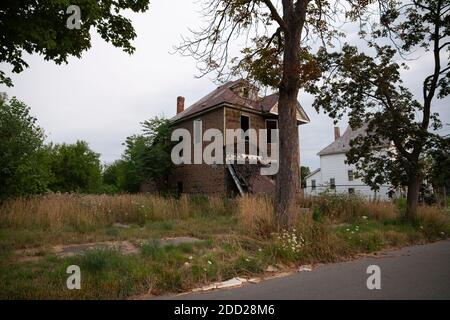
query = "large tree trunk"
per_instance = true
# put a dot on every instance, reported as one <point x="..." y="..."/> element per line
<point x="289" y="166"/>
<point x="412" y="198"/>
<point x="288" y="179"/>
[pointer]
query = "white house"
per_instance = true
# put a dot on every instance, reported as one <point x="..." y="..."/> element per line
<point x="335" y="175"/>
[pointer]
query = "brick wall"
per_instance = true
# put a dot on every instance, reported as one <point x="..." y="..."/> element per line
<point x="200" y="178"/>
<point x="203" y="178"/>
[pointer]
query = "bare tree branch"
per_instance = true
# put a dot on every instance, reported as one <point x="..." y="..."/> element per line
<point x="275" y="15"/>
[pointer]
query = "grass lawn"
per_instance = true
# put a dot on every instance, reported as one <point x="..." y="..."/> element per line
<point x="238" y="238"/>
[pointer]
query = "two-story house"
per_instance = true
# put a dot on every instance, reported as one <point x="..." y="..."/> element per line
<point x="335" y="175"/>
<point x="233" y="105"/>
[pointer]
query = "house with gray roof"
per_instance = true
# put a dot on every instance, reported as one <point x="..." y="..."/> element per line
<point x="335" y="175"/>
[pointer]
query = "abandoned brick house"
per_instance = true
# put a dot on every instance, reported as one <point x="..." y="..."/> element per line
<point x="234" y="105"/>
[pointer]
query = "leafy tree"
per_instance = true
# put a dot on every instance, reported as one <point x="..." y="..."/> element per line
<point x="439" y="172"/>
<point x="147" y="157"/>
<point x="277" y="56"/>
<point x="114" y="175"/>
<point x="76" y="168"/>
<point x="133" y="166"/>
<point x="23" y="157"/>
<point x="304" y="171"/>
<point x="39" y="26"/>
<point x="157" y="161"/>
<point x="370" y="89"/>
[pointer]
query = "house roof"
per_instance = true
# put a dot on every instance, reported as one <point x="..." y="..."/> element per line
<point x="224" y="94"/>
<point x="312" y="173"/>
<point x="342" y="144"/>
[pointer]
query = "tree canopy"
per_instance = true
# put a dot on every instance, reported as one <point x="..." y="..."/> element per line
<point x="39" y="26"/>
<point x="23" y="157"/>
<point x="146" y="159"/>
<point x="368" y="87"/>
<point x="75" y="168"/>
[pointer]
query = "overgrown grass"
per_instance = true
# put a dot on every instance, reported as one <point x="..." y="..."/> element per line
<point x="346" y="207"/>
<point x="87" y="212"/>
<point x="239" y="238"/>
<point x="255" y="214"/>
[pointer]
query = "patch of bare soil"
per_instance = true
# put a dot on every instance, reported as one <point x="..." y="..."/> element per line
<point x="125" y="247"/>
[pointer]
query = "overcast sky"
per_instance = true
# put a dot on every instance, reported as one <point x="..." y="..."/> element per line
<point x="103" y="97"/>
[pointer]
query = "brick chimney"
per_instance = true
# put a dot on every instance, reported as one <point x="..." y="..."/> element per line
<point x="337" y="133"/>
<point x="180" y="104"/>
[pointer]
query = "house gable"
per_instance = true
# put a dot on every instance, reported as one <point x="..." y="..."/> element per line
<point x="238" y="94"/>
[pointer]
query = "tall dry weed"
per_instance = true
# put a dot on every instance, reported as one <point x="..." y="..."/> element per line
<point x="58" y="211"/>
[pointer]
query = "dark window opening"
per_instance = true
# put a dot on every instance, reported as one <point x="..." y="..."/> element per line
<point x="351" y="190"/>
<point x="245" y="92"/>
<point x="350" y="175"/>
<point x="245" y="125"/>
<point x="313" y="184"/>
<point x="270" y="124"/>
<point x="181" y="153"/>
<point x="332" y="183"/>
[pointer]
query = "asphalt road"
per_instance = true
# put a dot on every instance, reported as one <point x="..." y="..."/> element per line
<point x="419" y="272"/>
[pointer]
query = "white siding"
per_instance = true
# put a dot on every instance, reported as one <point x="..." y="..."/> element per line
<point x="334" y="166"/>
<point x="318" y="178"/>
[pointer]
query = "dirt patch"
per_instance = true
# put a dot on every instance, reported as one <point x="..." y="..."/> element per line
<point x="125" y="247"/>
<point x="177" y="240"/>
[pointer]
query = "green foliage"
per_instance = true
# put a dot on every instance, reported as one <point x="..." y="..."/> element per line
<point x="304" y="171"/>
<point x="370" y="90"/>
<point x="75" y="168"/>
<point x="289" y="245"/>
<point x="317" y="215"/>
<point x="40" y="27"/>
<point x="116" y="178"/>
<point x="166" y="253"/>
<point x="146" y="158"/>
<point x="401" y="205"/>
<point x="157" y="161"/>
<point x="245" y="265"/>
<point x="439" y="171"/>
<point x="23" y="157"/>
<point x="368" y="87"/>
<point x="133" y="167"/>
<point x="99" y="260"/>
